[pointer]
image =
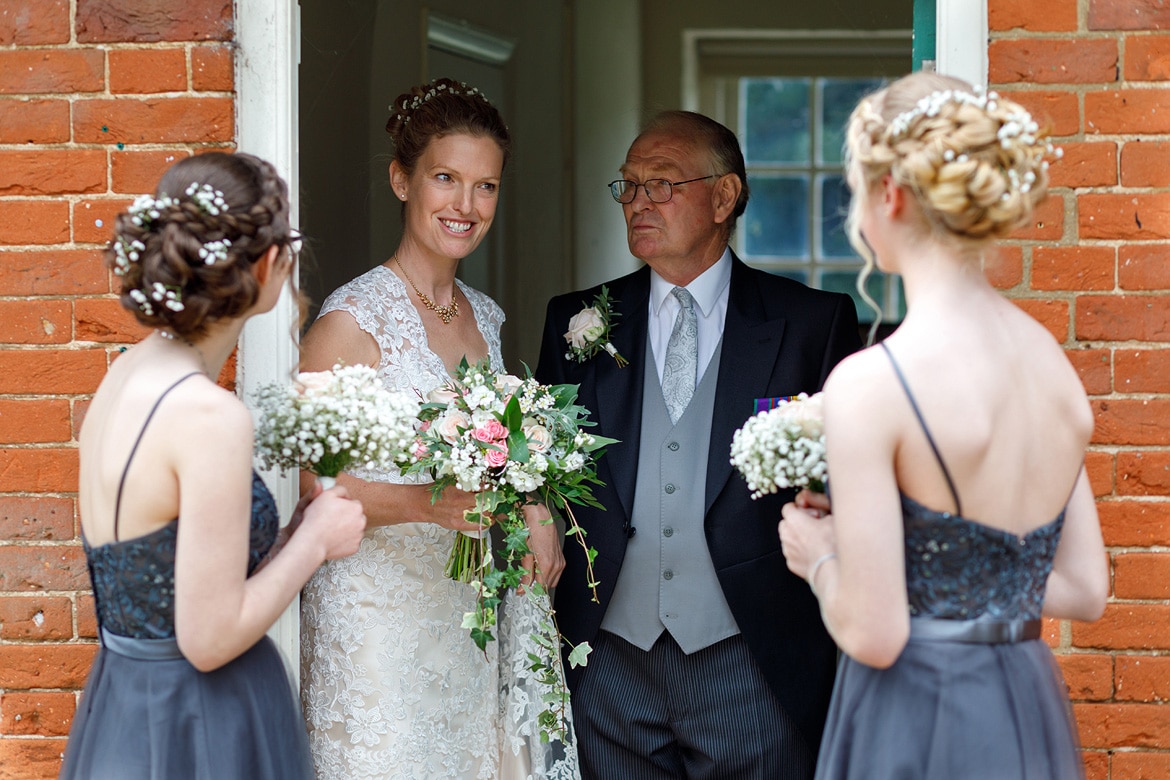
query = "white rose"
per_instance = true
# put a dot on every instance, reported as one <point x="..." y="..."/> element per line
<point x="539" y="439"/>
<point x="311" y="381"/>
<point x="449" y="425"/>
<point x="507" y="384"/>
<point x="441" y="395"/>
<point x="586" y="326"/>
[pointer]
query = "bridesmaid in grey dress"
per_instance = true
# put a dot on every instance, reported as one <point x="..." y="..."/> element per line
<point x="180" y="534"/>
<point x="961" y="513"/>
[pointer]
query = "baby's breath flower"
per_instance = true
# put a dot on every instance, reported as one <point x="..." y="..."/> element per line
<point x="328" y="420"/>
<point x="783" y="448"/>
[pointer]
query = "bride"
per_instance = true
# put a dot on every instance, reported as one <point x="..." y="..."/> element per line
<point x="392" y="685"/>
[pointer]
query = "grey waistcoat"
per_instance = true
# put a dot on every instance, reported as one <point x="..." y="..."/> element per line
<point x="667" y="581"/>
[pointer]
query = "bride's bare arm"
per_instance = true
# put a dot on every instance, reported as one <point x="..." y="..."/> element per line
<point x="392" y="504"/>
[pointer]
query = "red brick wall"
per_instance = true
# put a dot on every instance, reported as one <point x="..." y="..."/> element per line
<point x="1096" y="270"/>
<point x="97" y="97"/>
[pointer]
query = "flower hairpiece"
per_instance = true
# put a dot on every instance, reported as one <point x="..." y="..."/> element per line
<point x="589" y="331"/>
<point x="1018" y="126"/>
<point x="169" y="295"/>
<point x="411" y="104"/>
<point x="215" y="251"/>
<point x="125" y="253"/>
<point x="146" y="208"/>
<point x="209" y="199"/>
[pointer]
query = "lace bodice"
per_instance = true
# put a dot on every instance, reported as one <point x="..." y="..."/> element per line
<point x="134" y="580"/>
<point x="379" y="302"/>
<point x="963" y="570"/>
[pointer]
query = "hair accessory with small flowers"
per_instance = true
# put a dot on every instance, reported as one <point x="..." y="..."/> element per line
<point x="408" y="106"/>
<point x="146" y="209"/>
<point x="1017" y="126"/>
<point x="590" y="329"/>
<point x="209" y="199"/>
<point x="168" y="295"/>
<point x="125" y="253"/>
<point x="215" y="251"/>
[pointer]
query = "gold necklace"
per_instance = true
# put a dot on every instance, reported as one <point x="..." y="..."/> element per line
<point x="445" y="313"/>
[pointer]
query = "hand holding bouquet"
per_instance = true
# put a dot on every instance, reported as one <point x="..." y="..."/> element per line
<point x="512" y="442"/>
<point x="326" y="420"/>
<point x="783" y="447"/>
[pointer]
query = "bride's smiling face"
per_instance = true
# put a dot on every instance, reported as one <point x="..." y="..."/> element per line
<point x="451" y="195"/>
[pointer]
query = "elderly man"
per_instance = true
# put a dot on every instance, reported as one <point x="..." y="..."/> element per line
<point x="709" y="657"/>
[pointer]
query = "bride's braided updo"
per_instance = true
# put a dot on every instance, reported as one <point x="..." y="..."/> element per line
<point x="975" y="161"/>
<point x="438" y="108"/>
<point x="185" y="255"/>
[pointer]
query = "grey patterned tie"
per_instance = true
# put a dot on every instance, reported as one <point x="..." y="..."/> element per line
<point x="682" y="357"/>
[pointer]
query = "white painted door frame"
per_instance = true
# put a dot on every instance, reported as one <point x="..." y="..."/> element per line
<point x="267" y="55"/>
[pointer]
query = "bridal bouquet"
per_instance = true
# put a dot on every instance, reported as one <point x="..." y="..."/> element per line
<point x="326" y="420"/>
<point x="783" y="447"/>
<point x="512" y="442"/>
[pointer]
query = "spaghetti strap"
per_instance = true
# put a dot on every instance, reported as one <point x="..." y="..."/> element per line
<point x="922" y="423"/>
<point x="134" y="449"/>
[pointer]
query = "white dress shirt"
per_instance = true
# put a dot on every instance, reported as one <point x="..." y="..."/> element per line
<point x="710" y="293"/>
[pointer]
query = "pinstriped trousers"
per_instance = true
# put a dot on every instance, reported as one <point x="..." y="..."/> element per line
<point x="662" y="714"/>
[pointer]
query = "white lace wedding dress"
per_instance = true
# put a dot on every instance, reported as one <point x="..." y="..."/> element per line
<point x="392" y="686"/>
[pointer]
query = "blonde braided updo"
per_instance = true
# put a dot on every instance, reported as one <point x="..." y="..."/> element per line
<point x="976" y="162"/>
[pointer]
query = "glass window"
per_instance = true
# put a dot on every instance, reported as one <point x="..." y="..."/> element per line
<point x="793" y="133"/>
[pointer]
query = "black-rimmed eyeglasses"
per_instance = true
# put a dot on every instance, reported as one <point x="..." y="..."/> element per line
<point x="657" y="190"/>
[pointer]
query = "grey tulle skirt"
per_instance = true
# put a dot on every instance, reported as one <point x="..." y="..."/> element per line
<point x="952" y="710"/>
<point x="148" y="713"/>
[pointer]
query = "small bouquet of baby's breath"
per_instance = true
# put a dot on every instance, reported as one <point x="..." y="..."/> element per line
<point x="326" y="420"/>
<point x="783" y="447"/>
<point x="589" y="331"/>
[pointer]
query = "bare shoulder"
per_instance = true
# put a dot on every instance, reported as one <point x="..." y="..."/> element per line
<point x="859" y="373"/>
<point x="336" y="338"/>
<point x="862" y="388"/>
<point x="204" y="409"/>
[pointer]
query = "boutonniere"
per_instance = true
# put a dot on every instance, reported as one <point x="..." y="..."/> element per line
<point x="589" y="331"/>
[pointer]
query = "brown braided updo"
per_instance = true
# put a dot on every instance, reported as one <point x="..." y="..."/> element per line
<point x="439" y="108"/>
<point x="976" y="163"/>
<point x="185" y="262"/>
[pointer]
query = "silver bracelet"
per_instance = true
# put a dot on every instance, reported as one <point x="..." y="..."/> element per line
<point x="812" y="571"/>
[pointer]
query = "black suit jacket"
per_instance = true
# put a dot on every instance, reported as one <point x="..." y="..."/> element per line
<point x="780" y="338"/>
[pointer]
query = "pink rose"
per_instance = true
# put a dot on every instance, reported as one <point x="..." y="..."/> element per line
<point x="418" y="449"/>
<point x="491" y="432"/>
<point x="495" y="457"/>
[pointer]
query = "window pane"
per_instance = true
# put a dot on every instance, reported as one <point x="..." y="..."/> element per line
<point x="834" y="208"/>
<point x="846" y="282"/>
<point x="776" y="221"/>
<point x="838" y="97"/>
<point x="776" y="120"/>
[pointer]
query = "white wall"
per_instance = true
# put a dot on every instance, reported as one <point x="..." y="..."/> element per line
<point x="608" y="106"/>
